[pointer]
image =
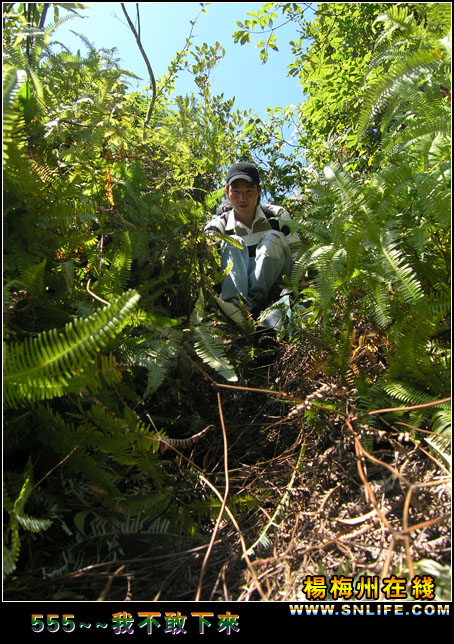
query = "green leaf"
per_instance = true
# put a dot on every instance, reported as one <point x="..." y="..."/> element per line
<point x="210" y="350"/>
<point x="57" y="362"/>
<point x="79" y="520"/>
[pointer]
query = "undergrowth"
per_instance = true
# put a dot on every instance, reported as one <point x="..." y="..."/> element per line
<point x="150" y="440"/>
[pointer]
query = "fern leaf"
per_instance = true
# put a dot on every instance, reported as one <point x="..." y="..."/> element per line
<point x="381" y="305"/>
<point x="344" y="186"/>
<point x="19" y="518"/>
<point x="209" y="349"/>
<point x="34" y="277"/>
<point x="442" y="422"/>
<point x="59" y="436"/>
<point x="409" y="285"/>
<point x="9" y="561"/>
<point x="115" y="274"/>
<point x="406" y="394"/>
<point x="13" y="79"/>
<point x="13" y="145"/>
<point x="404" y="74"/>
<point x="157" y="359"/>
<point x="442" y="446"/>
<point x="57" y="362"/>
<point x="33" y="524"/>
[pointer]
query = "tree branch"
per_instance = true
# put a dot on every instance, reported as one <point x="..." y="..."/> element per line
<point x="145" y="57"/>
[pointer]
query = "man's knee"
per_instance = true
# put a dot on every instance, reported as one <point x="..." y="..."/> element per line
<point x="273" y="244"/>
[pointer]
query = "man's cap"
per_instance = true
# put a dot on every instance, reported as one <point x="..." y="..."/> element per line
<point x="243" y="170"/>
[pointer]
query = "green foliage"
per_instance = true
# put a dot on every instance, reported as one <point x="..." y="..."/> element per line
<point x="380" y="257"/>
<point x="100" y="214"/>
<point x="341" y="50"/>
<point x="330" y="70"/>
<point x="19" y="519"/>
<point x="56" y="363"/>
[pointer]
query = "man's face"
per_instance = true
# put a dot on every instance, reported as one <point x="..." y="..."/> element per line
<point x="244" y="197"/>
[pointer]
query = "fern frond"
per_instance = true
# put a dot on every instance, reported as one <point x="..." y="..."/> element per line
<point x="441" y="446"/>
<point x="13" y="80"/>
<point x="346" y="188"/>
<point x="116" y="268"/>
<point x="198" y="312"/>
<point x="380" y="304"/>
<point x="9" y="560"/>
<point x="405" y="276"/>
<point x="401" y="33"/>
<point x="19" y="60"/>
<point x="406" y="394"/>
<point x="441" y="422"/>
<point x="157" y="358"/>
<point x="387" y="192"/>
<point x="417" y="133"/>
<point x="333" y="269"/>
<point x="437" y="417"/>
<point x="90" y="45"/>
<point x="13" y="144"/>
<point x="18" y="517"/>
<point x="60" y="437"/>
<point x="417" y="359"/>
<point x="60" y="21"/>
<point x="405" y="73"/>
<point x="400" y="25"/>
<point x="209" y="348"/>
<point x="435" y="197"/>
<point x="314" y="232"/>
<point x="57" y="362"/>
<point x="33" y="524"/>
<point x="34" y="278"/>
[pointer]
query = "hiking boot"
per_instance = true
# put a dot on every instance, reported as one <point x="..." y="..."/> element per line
<point x="234" y="311"/>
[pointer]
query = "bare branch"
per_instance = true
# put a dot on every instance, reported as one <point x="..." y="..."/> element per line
<point x="145" y="57"/>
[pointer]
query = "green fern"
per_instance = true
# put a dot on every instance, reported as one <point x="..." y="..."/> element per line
<point x="382" y="253"/>
<point x="60" y="436"/>
<point x="59" y="362"/>
<point x="419" y="54"/>
<point x="13" y="124"/>
<point x="157" y="353"/>
<point x="209" y="348"/>
<point x="437" y="417"/>
<point x="380" y="305"/>
<point x="404" y="275"/>
<point x="13" y="80"/>
<point x="405" y="394"/>
<point x="19" y="519"/>
<point x="411" y="69"/>
<point x="441" y="441"/>
<point x="420" y="133"/>
<point x="158" y="361"/>
<point x="116" y="267"/>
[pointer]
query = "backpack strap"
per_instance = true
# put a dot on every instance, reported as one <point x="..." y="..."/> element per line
<point x="271" y="216"/>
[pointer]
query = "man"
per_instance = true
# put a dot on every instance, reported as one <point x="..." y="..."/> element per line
<point x="263" y="248"/>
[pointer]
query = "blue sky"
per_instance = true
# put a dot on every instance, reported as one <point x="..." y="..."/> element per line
<point x="164" y="29"/>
